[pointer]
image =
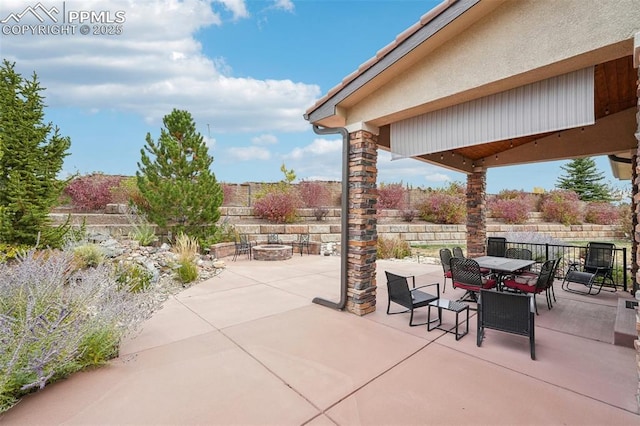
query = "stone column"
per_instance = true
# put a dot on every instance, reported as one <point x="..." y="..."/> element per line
<point x="476" y="212"/>
<point x="363" y="236"/>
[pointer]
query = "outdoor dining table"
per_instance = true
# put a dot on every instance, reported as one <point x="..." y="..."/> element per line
<point x="502" y="265"/>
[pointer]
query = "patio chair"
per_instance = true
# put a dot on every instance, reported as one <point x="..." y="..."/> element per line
<point x="445" y="259"/>
<point x="530" y="283"/>
<point x="466" y="274"/>
<point x="400" y="293"/>
<point x="457" y="252"/>
<point x="242" y="246"/>
<point x="507" y="312"/>
<point x="596" y="271"/>
<point x="303" y="241"/>
<point x="273" y="239"/>
<point x="519" y="253"/>
<point x="496" y="246"/>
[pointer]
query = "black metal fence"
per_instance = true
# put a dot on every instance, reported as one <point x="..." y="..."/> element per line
<point x="575" y="255"/>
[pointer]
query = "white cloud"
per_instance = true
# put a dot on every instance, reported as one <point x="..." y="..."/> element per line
<point x="155" y="65"/>
<point x="407" y="169"/>
<point x="317" y="148"/>
<point x="248" y="153"/>
<point x="284" y="5"/>
<point x="237" y="7"/>
<point x="266" y="139"/>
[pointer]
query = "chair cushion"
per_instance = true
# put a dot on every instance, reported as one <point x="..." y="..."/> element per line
<point x="523" y="284"/>
<point x="486" y="283"/>
<point x="447" y="274"/>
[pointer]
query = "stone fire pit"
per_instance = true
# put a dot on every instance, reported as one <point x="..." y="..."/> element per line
<point x="272" y="252"/>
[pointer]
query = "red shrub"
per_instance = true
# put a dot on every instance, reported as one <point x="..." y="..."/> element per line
<point x="314" y="194"/>
<point x="511" y="210"/>
<point x="227" y="193"/>
<point x="391" y="196"/>
<point x="602" y="214"/>
<point x="562" y="206"/>
<point x="440" y="207"/>
<point x="92" y="192"/>
<point x="278" y="207"/>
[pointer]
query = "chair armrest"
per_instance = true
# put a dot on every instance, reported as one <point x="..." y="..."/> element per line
<point x="429" y="285"/>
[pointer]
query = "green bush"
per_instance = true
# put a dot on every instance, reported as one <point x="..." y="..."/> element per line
<point x="10" y="252"/>
<point x="133" y="277"/>
<point x="144" y="234"/>
<point x="88" y="256"/>
<point x="187" y="271"/>
<point x="55" y="321"/>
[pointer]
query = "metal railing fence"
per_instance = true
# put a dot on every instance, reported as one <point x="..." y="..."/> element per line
<point x="576" y="255"/>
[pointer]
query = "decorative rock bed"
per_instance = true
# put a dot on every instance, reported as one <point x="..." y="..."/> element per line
<point x="272" y="252"/>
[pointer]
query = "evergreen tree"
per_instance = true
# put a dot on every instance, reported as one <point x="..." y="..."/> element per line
<point x="174" y="178"/>
<point x="32" y="156"/>
<point x="584" y="179"/>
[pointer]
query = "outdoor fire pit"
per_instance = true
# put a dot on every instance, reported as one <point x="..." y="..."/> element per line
<point x="272" y="252"/>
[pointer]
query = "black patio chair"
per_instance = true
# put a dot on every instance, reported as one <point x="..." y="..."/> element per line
<point x="273" y="239"/>
<point x="303" y="241"/>
<point x="530" y="283"/>
<point x="596" y="271"/>
<point x="242" y="246"/>
<point x="410" y="298"/>
<point x="466" y="274"/>
<point x="507" y="312"/>
<point x="519" y="253"/>
<point x="496" y="246"/>
<point x="445" y="260"/>
<point x="457" y="252"/>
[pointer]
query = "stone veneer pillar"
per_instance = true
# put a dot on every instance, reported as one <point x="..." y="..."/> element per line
<point x="476" y="212"/>
<point x="363" y="236"/>
<point x="636" y="186"/>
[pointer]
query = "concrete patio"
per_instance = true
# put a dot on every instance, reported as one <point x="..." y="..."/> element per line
<point x="249" y="347"/>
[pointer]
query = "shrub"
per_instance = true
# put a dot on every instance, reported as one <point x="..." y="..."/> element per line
<point x="561" y="206"/>
<point x="54" y="321"/>
<point x="625" y="220"/>
<point x="442" y="207"/>
<point x="408" y="215"/>
<point x="278" y="207"/>
<point x="133" y="277"/>
<point x="127" y="192"/>
<point x="10" y="252"/>
<point x="313" y="194"/>
<point x="602" y="213"/>
<point x="227" y="193"/>
<point x="143" y="232"/>
<point x="187" y="249"/>
<point x="391" y="196"/>
<point x="392" y="248"/>
<point x="92" y="192"/>
<point x="88" y="256"/>
<point x="514" y="210"/>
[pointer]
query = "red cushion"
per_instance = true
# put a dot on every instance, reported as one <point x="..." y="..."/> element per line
<point x="447" y="274"/>
<point x="490" y="283"/>
<point x="521" y="286"/>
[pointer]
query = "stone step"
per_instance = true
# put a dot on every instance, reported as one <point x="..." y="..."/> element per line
<point x="625" y="331"/>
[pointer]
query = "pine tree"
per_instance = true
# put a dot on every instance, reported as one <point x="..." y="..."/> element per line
<point x="32" y="156"/>
<point x="584" y="179"/>
<point x="174" y="178"/>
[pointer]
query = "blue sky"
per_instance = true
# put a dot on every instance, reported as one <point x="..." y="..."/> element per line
<point x="246" y="70"/>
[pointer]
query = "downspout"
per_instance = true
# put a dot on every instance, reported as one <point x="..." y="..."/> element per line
<point x="344" y="228"/>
